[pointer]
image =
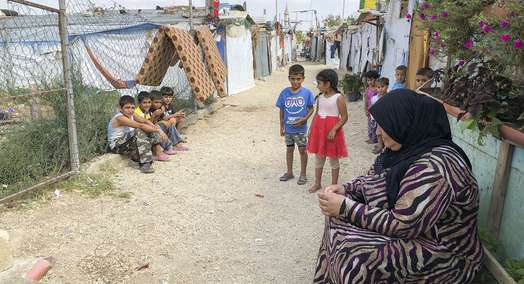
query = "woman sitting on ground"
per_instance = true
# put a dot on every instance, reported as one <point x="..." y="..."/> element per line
<point x="413" y="218"/>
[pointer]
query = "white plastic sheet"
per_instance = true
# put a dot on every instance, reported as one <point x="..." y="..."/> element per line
<point x="239" y="60"/>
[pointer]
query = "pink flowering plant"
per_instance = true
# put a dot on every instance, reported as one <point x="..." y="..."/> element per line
<point x="484" y="41"/>
<point x="472" y="28"/>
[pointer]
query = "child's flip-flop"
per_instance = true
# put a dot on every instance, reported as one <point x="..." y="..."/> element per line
<point x="302" y="180"/>
<point x="286" y="177"/>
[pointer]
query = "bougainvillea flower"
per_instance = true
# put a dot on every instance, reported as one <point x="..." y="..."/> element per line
<point x="444" y="14"/>
<point x="436" y="35"/>
<point x="432" y="51"/>
<point x="408" y="16"/>
<point x="482" y="24"/>
<point x="468" y="44"/>
<point x="433" y="17"/>
<point x="504" y="24"/>
<point x="517" y="43"/>
<point x="422" y="16"/>
<point x="512" y="14"/>
<point x="505" y="37"/>
<point x="426" y="5"/>
<point x="461" y="62"/>
<point x="487" y="28"/>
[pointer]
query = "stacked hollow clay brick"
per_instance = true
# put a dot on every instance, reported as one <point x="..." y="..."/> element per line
<point x="155" y="66"/>
<point x="214" y="61"/>
<point x="169" y="45"/>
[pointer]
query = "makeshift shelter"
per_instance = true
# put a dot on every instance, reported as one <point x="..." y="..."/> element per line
<point x="107" y="50"/>
<point x="262" y="49"/>
<point x="397" y="31"/>
<point x="238" y="51"/>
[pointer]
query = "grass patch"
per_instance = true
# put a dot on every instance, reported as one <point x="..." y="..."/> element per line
<point x="36" y="150"/>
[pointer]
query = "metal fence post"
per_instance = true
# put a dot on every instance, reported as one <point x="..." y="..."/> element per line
<point x="71" y="118"/>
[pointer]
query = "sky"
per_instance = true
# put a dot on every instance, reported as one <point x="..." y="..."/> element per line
<point x="255" y="7"/>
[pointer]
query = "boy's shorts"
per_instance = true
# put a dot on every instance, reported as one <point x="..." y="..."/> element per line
<point x="300" y="139"/>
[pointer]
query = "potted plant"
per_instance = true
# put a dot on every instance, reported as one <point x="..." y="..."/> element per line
<point x="352" y="87"/>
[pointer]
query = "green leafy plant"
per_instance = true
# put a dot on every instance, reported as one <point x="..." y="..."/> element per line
<point x="491" y="98"/>
<point x="485" y="40"/>
<point x="38" y="149"/>
<point x="352" y="84"/>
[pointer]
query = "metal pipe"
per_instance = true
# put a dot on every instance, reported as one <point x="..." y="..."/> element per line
<point x="74" y="153"/>
<point x="36" y="187"/>
<point x="36" y="5"/>
<point x="191" y="14"/>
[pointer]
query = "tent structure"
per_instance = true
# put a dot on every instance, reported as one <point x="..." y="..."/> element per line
<point x="238" y="52"/>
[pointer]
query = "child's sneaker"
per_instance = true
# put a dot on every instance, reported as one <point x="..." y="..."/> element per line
<point x="146" y="168"/>
<point x="161" y="158"/>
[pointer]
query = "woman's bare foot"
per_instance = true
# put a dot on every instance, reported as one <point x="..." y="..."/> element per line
<point x="314" y="188"/>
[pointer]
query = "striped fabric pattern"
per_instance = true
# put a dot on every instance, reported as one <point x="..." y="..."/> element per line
<point x="430" y="236"/>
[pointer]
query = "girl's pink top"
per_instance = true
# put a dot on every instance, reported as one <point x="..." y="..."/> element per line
<point x="370" y="93"/>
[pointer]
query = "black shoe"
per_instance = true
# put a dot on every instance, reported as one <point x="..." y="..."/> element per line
<point x="147" y="168"/>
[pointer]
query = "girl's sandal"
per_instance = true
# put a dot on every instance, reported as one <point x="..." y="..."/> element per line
<point x="286" y="177"/>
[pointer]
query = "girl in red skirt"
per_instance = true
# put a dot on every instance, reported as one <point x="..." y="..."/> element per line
<point x="326" y="137"/>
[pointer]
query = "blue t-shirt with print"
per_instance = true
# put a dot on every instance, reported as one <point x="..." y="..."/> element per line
<point x="397" y="85"/>
<point x="295" y="106"/>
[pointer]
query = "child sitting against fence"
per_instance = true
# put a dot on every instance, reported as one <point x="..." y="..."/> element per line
<point x="371" y="77"/>
<point x="166" y="121"/>
<point x="144" y="110"/>
<point x="381" y="86"/>
<point x="129" y="134"/>
<point x="400" y="77"/>
<point x="178" y="117"/>
<point x="326" y="138"/>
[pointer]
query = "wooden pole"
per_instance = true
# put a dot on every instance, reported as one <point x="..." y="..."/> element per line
<point x="500" y="185"/>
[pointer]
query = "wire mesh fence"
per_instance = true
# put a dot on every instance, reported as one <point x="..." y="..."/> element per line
<point x="107" y="47"/>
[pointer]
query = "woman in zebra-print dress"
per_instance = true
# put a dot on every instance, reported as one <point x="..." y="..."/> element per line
<point x="413" y="218"/>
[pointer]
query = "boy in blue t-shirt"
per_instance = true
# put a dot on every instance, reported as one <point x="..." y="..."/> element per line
<point x="296" y="106"/>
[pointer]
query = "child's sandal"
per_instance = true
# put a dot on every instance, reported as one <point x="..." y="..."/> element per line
<point x="161" y="158"/>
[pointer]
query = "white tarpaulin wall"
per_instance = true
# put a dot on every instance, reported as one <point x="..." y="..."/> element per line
<point x="239" y="56"/>
<point x="397" y="31"/>
<point x="332" y="62"/>
<point x="369" y="44"/>
<point x="289" y="47"/>
<point x="345" y="47"/>
<point x="356" y="51"/>
<point x="274" y="52"/>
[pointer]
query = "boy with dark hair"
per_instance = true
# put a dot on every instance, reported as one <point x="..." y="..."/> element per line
<point x="296" y="105"/>
<point x="371" y="78"/>
<point x="400" y="77"/>
<point x="132" y="135"/>
<point x="381" y="86"/>
<point x="177" y="117"/>
<point x="424" y="75"/>
<point x="164" y="120"/>
<point x="144" y="105"/>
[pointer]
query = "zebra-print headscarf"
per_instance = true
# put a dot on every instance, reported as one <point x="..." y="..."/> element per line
<point x="418" y="123"/>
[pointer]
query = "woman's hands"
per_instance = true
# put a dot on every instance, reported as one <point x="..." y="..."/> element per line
<point x="330" y="199"/>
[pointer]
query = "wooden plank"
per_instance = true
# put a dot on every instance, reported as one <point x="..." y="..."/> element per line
<point x="36" y="187"/>
<point x="500" y="185"/>
<point x="496" y="269"/>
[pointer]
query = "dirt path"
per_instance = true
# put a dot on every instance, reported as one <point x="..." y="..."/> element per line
<point x="197" y="219"/>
